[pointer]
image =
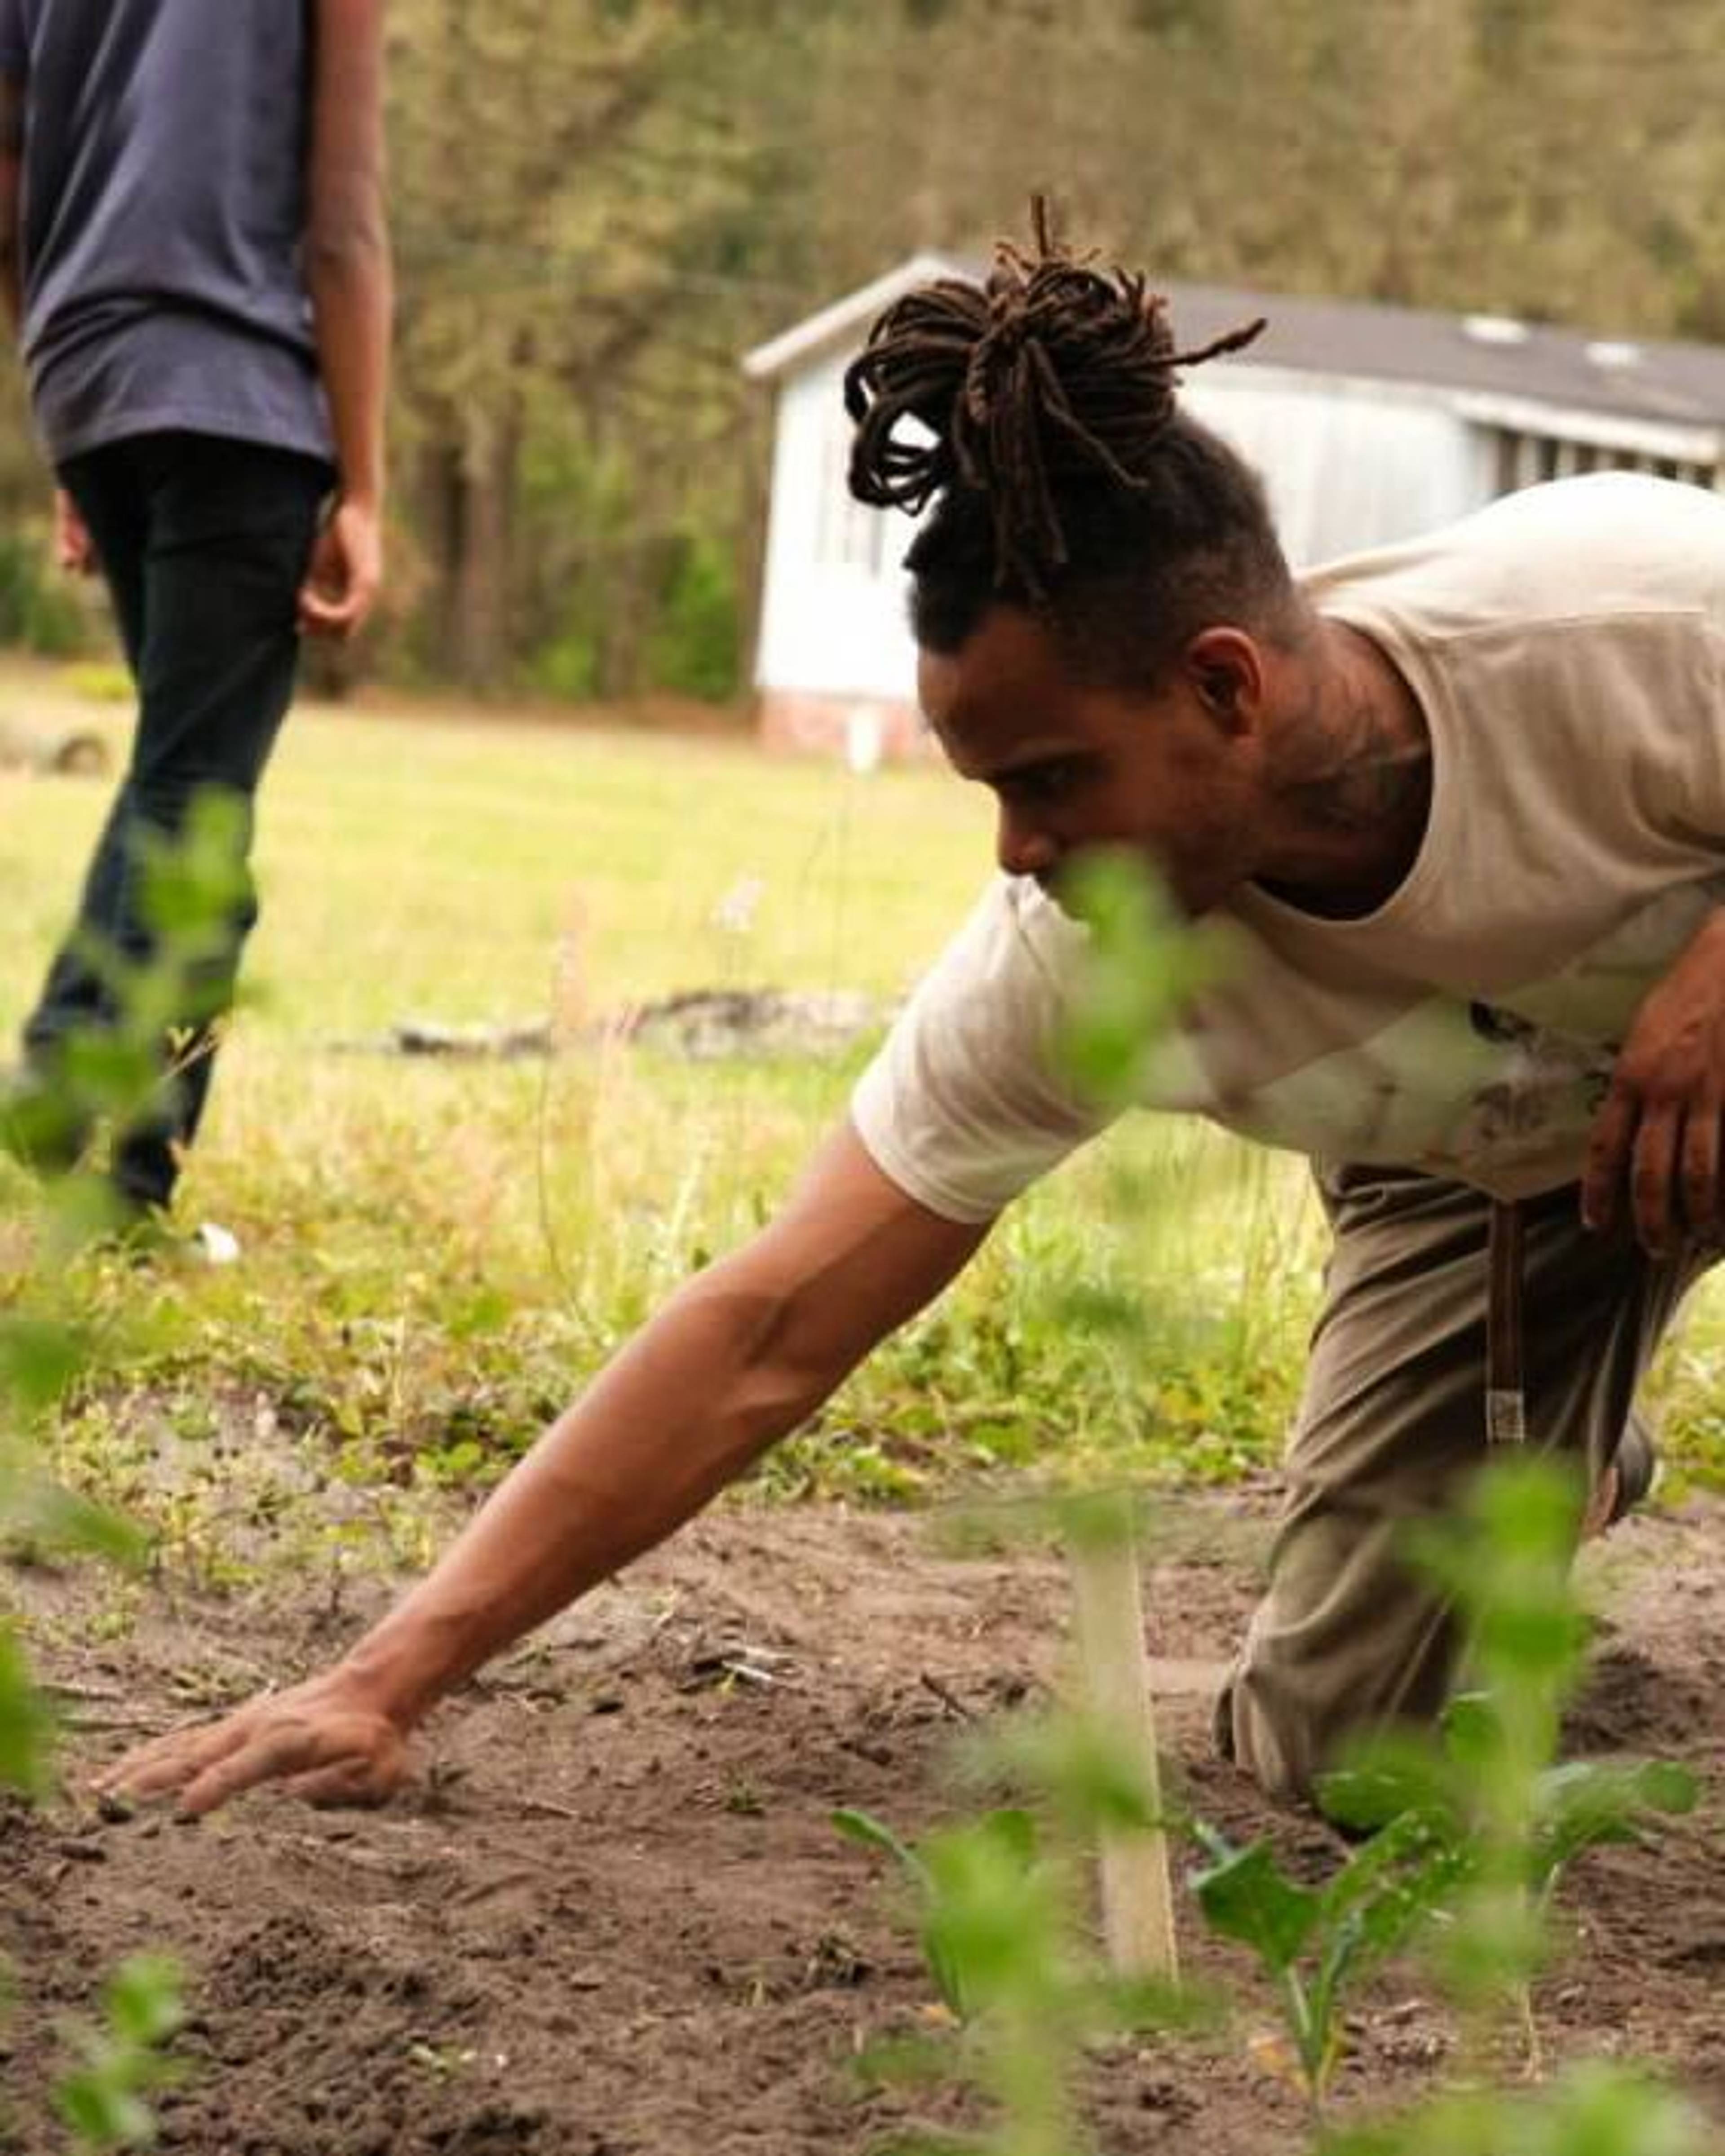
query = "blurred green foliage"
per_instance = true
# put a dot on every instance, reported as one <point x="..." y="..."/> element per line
<point x="40" y="610"/>
<point x="106" y="1079"/>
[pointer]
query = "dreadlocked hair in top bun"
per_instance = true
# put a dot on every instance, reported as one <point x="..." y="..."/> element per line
<point x="1037" y="411"/>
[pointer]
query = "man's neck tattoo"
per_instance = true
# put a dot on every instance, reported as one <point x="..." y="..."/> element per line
<point x="1355" y="787"/>
<point x="1362" y="770"/>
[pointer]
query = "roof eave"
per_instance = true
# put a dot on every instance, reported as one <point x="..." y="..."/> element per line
<point x="839" y="323"/>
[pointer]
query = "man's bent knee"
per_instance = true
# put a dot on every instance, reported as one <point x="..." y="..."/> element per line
<point x="1269" y="1739"/>
<point x="1300" y="1695"/>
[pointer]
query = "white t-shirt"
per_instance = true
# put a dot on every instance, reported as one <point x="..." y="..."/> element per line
<point x="1567" y="646"/>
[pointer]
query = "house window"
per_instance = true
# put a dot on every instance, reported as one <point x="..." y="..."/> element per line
<point x="849" y="535"/>
<point x="1521" y="457"/>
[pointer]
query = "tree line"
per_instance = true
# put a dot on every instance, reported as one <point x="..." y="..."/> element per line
<point x="599" y="205"/>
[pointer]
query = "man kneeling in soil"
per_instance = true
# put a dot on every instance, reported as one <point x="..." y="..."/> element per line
<point x="1463" y="803"/>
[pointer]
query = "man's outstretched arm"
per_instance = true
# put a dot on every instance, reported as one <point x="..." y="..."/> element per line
<point x="736" y="1359"/>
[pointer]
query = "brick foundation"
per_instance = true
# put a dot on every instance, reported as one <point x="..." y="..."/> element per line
<point x="806" y="723"/>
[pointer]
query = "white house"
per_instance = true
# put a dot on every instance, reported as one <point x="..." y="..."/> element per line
<point x="1368" y="423"/>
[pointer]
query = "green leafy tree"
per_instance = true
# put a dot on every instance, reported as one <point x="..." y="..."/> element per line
<point x="558" y="174"/>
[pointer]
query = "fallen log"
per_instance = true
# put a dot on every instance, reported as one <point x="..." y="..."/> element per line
<point x="77" y="753"/>
<point x="703" y="1024"/>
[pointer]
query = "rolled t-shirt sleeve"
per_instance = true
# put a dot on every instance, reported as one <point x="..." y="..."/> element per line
<point x="964" y="1106"/>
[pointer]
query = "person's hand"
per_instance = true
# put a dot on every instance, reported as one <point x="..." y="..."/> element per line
<point x="73" y="549"/>
<point x="326" y="1740"/>
<point x="1660" y="1137"/>
<point x="346" y="572"/>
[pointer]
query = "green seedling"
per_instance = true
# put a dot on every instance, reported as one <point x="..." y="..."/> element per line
<point x="1471" y="1829"/>
<point x="26" y="1726"/>
<point x="999" y="1926"/>
<point x="1493" y="1936"/>
<point x="1002" y="1920"/>
<point x="957" y="1878"/>
<point x="120" y="2060"/>
<point x="1487" y="1786"/>
<point x="1317" y="1944"/>
<point x="1574" y="1807"/>
<point x="1591" y="2110"/>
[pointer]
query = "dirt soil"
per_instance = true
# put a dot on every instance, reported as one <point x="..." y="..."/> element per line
<point x="612" y="1917"/>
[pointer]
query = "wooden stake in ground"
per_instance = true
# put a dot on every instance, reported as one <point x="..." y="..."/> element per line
<point x="1137" y="1903"/>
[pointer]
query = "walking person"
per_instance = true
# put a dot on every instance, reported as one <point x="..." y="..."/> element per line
<point x="193" y="246"/>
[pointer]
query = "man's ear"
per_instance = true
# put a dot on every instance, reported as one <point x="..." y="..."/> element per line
<point x="1226" y="671"/>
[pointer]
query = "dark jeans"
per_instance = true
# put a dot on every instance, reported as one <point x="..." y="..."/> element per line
<point x="204" y="544"/>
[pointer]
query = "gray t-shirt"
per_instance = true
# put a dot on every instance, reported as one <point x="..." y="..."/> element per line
<point x="163" y="206"/>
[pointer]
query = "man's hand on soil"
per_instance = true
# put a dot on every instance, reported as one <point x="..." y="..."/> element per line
<point x="324" y="1740"/>
<point x="1658" y="1138"/>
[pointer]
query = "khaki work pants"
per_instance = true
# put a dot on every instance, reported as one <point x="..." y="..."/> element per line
<point x="1391" y="1425"/>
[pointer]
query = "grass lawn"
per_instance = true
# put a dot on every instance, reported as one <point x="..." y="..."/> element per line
<point x="439" y="1254"/>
